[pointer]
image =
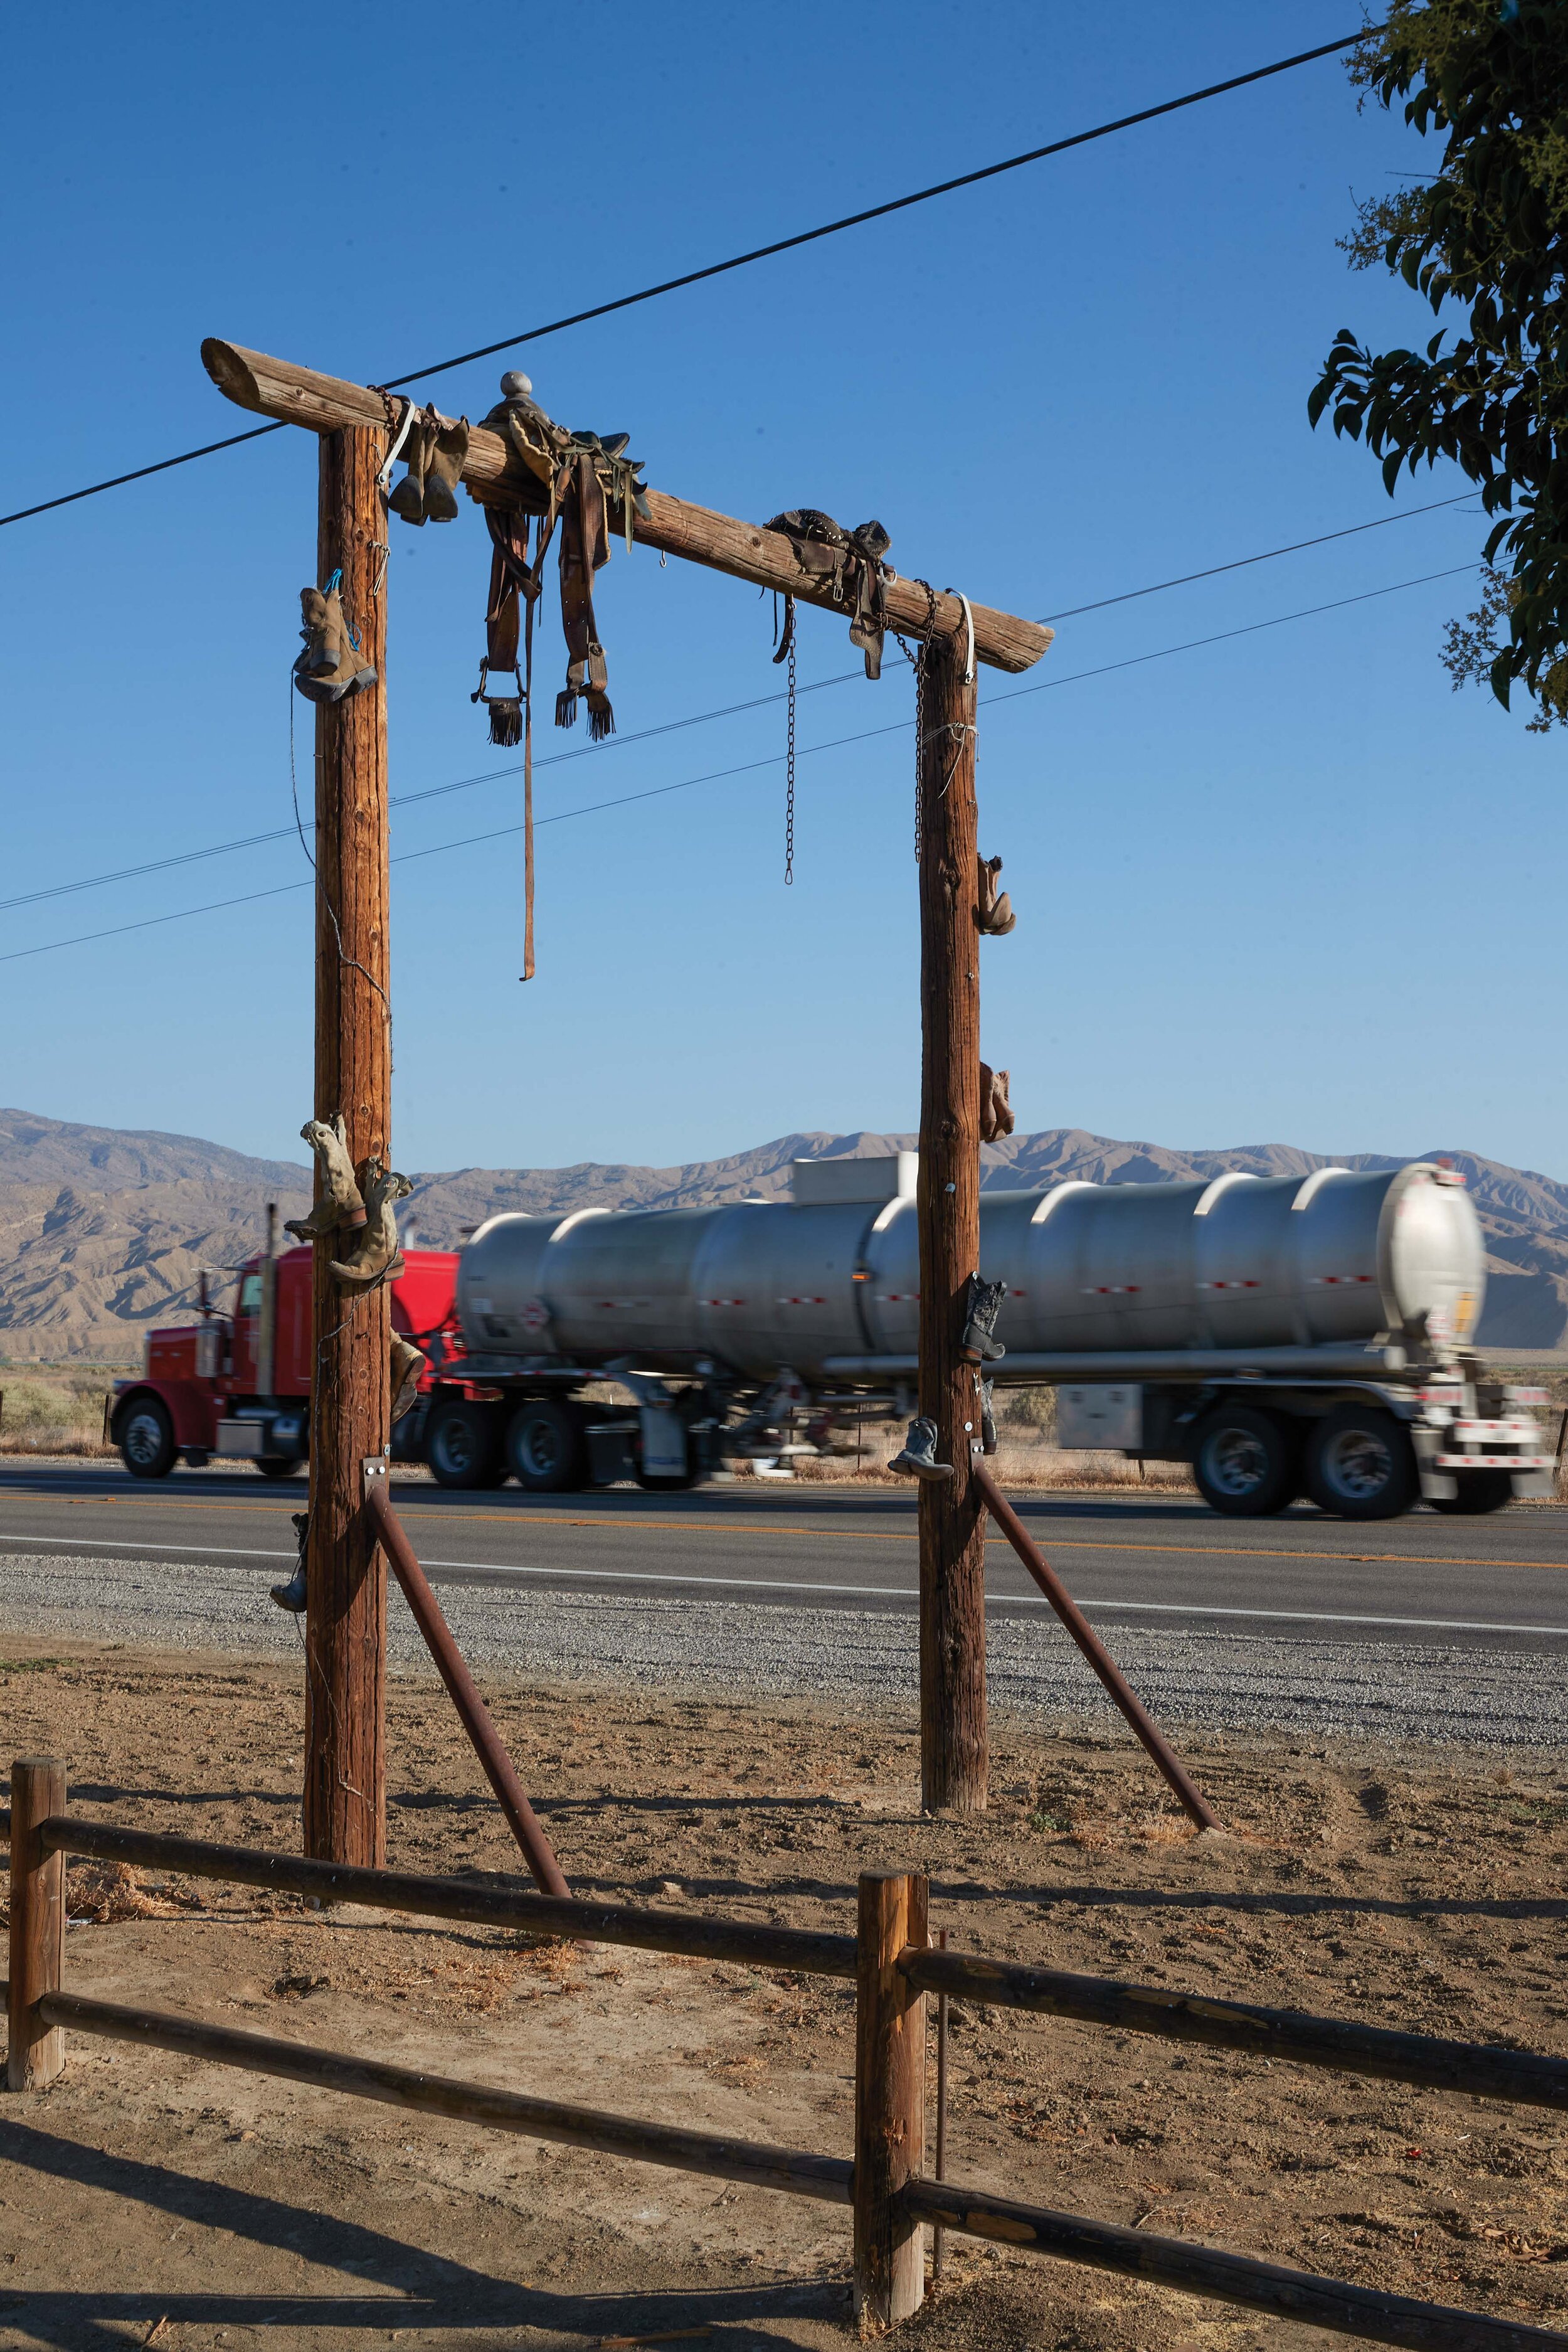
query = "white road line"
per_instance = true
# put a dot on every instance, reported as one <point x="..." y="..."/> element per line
<point x="498" y="1569"/>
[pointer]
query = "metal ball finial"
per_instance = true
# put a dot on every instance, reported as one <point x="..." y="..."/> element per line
<point x="515" y="384"/>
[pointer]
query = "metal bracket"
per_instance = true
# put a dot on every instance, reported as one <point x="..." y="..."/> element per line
<point x="374" y="1466"/>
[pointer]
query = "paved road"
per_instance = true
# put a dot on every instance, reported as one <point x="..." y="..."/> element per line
<point x="1496" y="1584"/>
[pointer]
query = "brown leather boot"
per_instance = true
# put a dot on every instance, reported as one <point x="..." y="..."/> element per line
<point x="996" y="916"/>
<point x="407" y="1364"/>
<point x="997" y="1118"/>
<point x="337" y="1187"/>
<point x="376" y="1256"/>
<point x="444" y="470"/>
<point x="407" y="500"/>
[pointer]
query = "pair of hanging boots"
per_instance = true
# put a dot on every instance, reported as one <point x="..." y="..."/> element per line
<point x="995" y="916"/>
<point x="435" y="450"/>
<point x="332" y="665"/>
<point x="376" y="1258"/>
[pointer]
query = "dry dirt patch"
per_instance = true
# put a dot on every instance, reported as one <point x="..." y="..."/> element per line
<point x="1391" y="1888"/>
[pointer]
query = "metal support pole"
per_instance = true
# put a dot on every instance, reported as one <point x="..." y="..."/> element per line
<point x="1191" y="1799"/>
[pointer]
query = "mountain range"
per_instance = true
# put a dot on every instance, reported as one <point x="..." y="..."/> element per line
<point x="106" y="1231"/>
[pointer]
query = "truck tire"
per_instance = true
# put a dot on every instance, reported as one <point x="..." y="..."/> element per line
<point x="462" y="1446"/>
<point x="277" y="1465"/>
<point x="1245" y="1462"/>
<point x="547" y="1452"/>
<point x="1361" y="1464"/>
<point x="1480" y="1490"/>
<point x="146" y="1438"/>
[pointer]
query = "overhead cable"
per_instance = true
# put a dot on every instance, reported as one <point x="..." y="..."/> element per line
<point x="675" y="726"/>
<point x="740" y="260"/>
<point x="660" y="792"/>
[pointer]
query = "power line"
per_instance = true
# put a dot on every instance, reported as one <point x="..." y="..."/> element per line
<point x="742" y="260"/>
<point x="692" y="718"/>
<point x="1241" y="562"/>
<point x="660" y="792"/>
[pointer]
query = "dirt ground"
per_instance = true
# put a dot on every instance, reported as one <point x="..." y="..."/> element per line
<point x="149" y="2201"/>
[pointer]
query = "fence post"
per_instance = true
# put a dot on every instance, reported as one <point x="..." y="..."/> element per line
<point x="37" y="2051"/>
<point x="890" y="2101"/>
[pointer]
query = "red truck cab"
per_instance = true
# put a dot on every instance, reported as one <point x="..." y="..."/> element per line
<point x="204" y="1388"/>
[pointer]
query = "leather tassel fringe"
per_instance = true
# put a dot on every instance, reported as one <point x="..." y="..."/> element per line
<point x="506" y="724"/>
<point x="600" y="717"/>
<point x="566" y="708"/>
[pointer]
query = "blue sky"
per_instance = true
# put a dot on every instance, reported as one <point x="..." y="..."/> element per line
<point x="1287" y="888"/>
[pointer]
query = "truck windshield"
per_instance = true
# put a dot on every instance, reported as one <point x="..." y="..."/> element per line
<point x="250" y="1295"/>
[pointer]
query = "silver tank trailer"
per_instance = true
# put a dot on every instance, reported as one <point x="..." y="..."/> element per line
<point x="830" y="1291"/>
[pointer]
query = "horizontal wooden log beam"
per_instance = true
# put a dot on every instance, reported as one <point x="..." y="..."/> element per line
<point x="744" y="1942"/>
<point x="1365" y="2311"/>
<point x="1480" y="2068"/>
<point x="300" y="395"/>
<point x="796" y="2170"/>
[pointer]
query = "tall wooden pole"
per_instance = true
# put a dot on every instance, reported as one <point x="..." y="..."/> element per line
<point x="953" y="1738"/>
<point x="345" y="1570"/>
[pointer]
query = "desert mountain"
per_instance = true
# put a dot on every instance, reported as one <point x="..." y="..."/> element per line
<point x="105" y="1232"/>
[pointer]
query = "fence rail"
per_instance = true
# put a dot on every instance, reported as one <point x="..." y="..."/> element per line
<point x="892" y="1966"/>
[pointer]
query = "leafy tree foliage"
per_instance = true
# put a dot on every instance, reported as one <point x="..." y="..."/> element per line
<point x="1488" y="230"/>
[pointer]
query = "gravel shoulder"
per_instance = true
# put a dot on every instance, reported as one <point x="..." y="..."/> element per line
<point x="1243" y="1681"/>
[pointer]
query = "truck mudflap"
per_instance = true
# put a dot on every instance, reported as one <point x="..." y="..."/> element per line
<point x="1459" y="1447"/>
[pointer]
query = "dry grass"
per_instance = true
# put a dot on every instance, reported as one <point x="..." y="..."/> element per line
<point x="50" y="1410"/>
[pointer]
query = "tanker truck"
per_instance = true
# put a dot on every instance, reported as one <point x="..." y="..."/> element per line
<point x="1281" y="1334"/>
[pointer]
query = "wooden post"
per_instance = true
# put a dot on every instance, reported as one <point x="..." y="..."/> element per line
<point x="890" y="2102"/>
<point x="345" y="1570"/>
<point x="953" y="1738"/>
<point x="35" y="2052"/>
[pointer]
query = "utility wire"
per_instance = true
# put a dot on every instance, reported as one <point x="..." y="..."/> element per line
<point x="742" y="260"/>
<point x="692" y="718"/>
<point x="659" y="792"/>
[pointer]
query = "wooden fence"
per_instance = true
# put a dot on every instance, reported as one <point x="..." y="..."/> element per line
<point x="893" y="1966"/>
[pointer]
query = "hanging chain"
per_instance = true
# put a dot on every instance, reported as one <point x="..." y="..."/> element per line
<point x="919" y="659"/>
<point x="790" y="782"/>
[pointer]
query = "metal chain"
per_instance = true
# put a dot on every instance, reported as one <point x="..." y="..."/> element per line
<point x="790" y="782"/>
<point x="920" y="659"/>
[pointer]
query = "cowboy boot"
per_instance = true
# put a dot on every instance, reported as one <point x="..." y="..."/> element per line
<point x="376" y="1256"/>
<point x="407" y="1364"/>
<point x="917" y="1458"/>
<point x="408" y="499"/>
<point x="980" y="1343"/>
<point x="291" y="1596"/>
<point x="997" y="918"/>
<point x="997" y="1118"/>
<point x="340" y="1192"/>
<point x="444" y="469"/>
<point x="987" y="1417"/>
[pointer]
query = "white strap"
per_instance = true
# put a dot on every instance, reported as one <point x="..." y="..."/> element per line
<point x="970" y="657"/>
<point x="409" y="412"/>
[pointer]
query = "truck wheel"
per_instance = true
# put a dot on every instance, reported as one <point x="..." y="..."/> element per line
<point x="1361" y="1464"/>
<point x="1244" y="1463"/>
<point x="277" y="1465"/>
<point x="146" y="1439"/>
<point x="461" y="1446"/>
<point x="546" y="1449"/>
<point x="1480" y="1490"/>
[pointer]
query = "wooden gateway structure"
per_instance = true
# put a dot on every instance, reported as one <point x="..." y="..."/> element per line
<point x="345" y="1566"/>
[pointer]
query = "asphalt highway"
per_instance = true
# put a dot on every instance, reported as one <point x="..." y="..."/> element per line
<point x="1141" y="1560"/>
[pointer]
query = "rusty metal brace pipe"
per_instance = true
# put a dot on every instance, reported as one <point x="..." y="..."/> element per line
<point x="499" y="1770"/>
<point x="1191" y="1799"/>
